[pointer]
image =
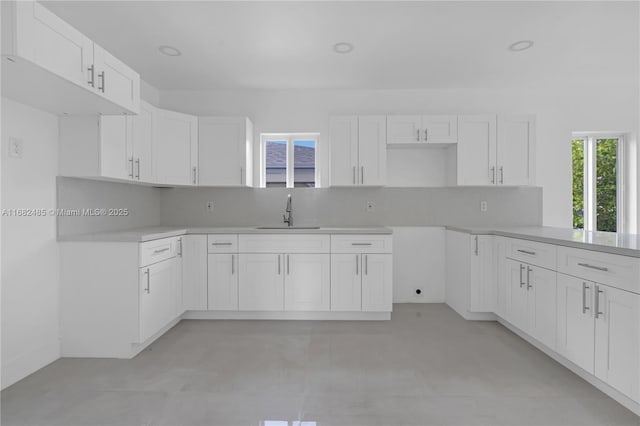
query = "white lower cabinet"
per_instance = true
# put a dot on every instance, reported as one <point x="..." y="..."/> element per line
<point x="222" y="282"/>
<point x="194" y="272"/>
<point x="307" y="282"/>
<point x="346" y="282"/>
<point x="158" y="290"/>
<point x="361" y="282"/>
<point x="377" y="277"/>
<point x="261" y="283"/>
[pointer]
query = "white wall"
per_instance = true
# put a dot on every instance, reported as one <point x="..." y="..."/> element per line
<point x="30" y="258"/>
<point x="559" y="112"/>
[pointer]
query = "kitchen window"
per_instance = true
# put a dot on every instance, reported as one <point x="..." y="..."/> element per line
<point x="598" y="193"/>
<point x="289" y="160"/>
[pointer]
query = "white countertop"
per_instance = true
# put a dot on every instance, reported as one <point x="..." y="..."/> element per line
<point x="157" y="232"/>
<point x="608" y="242"/>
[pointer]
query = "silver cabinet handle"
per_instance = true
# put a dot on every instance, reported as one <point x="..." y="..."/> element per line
<point x="288" y="271"/>
<point x="221" y="244"/>
<point x="357" y="267"/>
<point x="362" y="175"/>
<point x="161" y="250"/>
<point x="195" y="169"/>
<point x="585" y="287"/>
<point x="476" y="250"/>
<point x="354" y="175"/>
<point x="596" y="308"/>
<point x="597" y="268"/>
<point x="532" y="253"/>
<point x="366" y="264"/>
<point x="180" y="247"/>
<point x="521" y="279"/>
<point x="501" y="174"/>
<point x="418" y="135"/>
<point x="92" y="73"/>
<point x="148" y="289"/>
<point x="131" y="162"/>
<point x="426" y="135"/>
<point x="233" y="268"/>
<point x="529" y="270"/>
<point x="138" y="168"/>
<point x="492" y="174"/>
<point x="360" y="244"/>
<point x="279" y="265"/>
<point x="241" y="175"/>
<point x="102" y="79"/>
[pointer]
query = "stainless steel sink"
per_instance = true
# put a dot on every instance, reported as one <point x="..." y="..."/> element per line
<point x="287" y="227"/>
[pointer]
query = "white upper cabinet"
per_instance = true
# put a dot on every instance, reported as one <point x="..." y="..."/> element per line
<point x="54" y="67"/>
<point x="358" y="151"/>
<point x="496" y="151"/>
<point x="422" y="129"/>
<point x="115" y="142"/>
<point x="143" y="133"/>
<point x="225" y="151"/>
<point x="175" y="149"/>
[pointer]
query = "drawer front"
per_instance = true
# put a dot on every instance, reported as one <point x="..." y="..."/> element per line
<point x="532" y="252"/>
<point x="618" y="271"/>
<point x="361" y="243"/>
<point x="275" y="243"/>
<point x="158" y="250"/>
<point x="222" y="243"/>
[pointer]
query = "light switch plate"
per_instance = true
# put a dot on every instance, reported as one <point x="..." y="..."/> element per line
<point x="16" y="147"/>
<point x="210" y="206"/>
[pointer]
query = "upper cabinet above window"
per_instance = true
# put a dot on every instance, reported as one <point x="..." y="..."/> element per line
<point x="52" y="66"/>
<point x="422" y="129"/>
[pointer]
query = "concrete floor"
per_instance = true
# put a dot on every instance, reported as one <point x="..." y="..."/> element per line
<point x="427" y="366"/>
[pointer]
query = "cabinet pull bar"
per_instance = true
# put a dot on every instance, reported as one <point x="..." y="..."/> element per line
<point x="597" y="268"/>
<point x="161" y="250"/>
<point x="532" y="253"/>
<point x="233" y="268"/>
<point x="360" y="244"/>
<point x="596" y="308"/>
<point x="426" y="135"/>
<point x="102" y="79"/>
<point x="492" y="174"/>
<point x="194" y="174"/>
<point x="521" y="279"/>
<point x="476" y="250"/>
<point x="288" y="271"/>
<point x="131" y="162"/>
<point x="180" y="247"/>
<point x="241" y="175"/>
<point x="138" y="169"/>
<point x="221" y="244"/>
<point x="357" y="267"/>
<point x="585" y="287"/>
<point x="148" y="289"/>
<point x="278" y="264"/>
<point x="362" y="175"/>
<point x="92" y="80"/>
<point x="529" y="270"/>
<point x="418" y="135"/>
<point x="501" y="174"/>
<point x="366" y="264"/>
<point x="354" y="175"/>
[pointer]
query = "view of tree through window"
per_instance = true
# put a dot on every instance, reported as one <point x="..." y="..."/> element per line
<point x="595" y="187"/>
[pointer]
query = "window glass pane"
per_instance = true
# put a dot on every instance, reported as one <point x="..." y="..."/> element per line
<point x="304" y="163"/>
<point x="275" y="154"/>
<point x="577" y="154"/>
<point x="606" y="184"/>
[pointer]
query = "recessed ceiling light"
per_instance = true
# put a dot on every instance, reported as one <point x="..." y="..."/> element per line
<point x="343" y="47"/>
<point x="521" y="45"/>
<point x="169" y="51"/>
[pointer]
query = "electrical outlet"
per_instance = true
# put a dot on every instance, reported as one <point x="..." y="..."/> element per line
<point x="210" y="206"/>
<point x="370" y="206"/>
<point x="15" y="148"/>
<point x="483" y="206"/>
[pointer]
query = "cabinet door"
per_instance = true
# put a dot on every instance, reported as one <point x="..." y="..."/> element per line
<point x="223" y="151"/>
<point x="575" y="335"/>
<point x="223" y="282"/>
<point x="502" y="272"/>
<point x="617" y="347"/>
<point x="194" y="272"/>
<point x="144" y="133"/>
<point x="344" y="150"/>
<point x="377" y="279"/>
<point x="157" y="297"/>
<point x="372" y="150"/>
<point x="542" y="294"/>
<point x="116" y="81"/>
<point x="515" y="150"/>
<point x="483" y="294"/>
<point x="261" y="282"/>
<point x="440" y="128"/>
<point x="346" y="282"/>
<point x="307" y="282"/>
<point x="45" y="39"/>
<point x="404" y="129"/>
<point x="476" y="150"/>
<point x="517" y="298"/>
<point x="115" y="147"/>
<point x="175" y="149"/>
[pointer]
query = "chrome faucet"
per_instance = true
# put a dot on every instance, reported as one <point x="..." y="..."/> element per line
<point x="288" y="217"/>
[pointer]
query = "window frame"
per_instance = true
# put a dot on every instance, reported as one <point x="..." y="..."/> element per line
<point x="289" y="138"/>
<point x="590" y="201"/>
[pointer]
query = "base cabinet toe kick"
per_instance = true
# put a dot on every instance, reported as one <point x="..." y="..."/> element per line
<point x="580" y="306"/>
<point x="118" y="297"/>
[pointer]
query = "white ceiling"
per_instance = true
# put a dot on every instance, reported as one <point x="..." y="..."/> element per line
<point x="398" y="45"/>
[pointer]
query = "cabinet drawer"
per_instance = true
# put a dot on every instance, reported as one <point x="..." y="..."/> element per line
<point x="158" y="250"/>
<point x="532" y="252"/>
<point x="275" y="243"/>
<point x="222" y="243"/>
<point x="615" y="270"/>
<point x="361" y="243"/>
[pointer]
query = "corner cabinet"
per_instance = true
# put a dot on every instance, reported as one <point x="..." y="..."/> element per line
<point x="358" y="150"/>
<point x="225" y="151"/>
<point x="56" y="68"/>
<point x="496" y="150"/>
<point x="175" y="149"/>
